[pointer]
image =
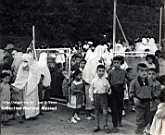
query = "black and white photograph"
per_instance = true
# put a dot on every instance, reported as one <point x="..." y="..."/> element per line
<point x="82" y="67"/>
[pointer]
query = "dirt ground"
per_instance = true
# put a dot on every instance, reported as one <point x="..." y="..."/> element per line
<point x="57" y="123"/>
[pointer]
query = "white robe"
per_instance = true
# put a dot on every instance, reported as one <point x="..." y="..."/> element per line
<point x="28" y="81"/>
<point x="119" y="49"/>
<point x="89" y="71"/>
<point x="108" y="56"/>
<point x="60" y="58"/>
<point x="152" y="45"/>
<point x="31" y="92"/>
<point x="17" y="61"/>
<point x="44" y="69"/>
<point x="89" y="55"/>
<point x="158" y="124"/>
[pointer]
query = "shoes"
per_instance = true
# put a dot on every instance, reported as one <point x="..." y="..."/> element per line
<point x="89" y="118"/>
<point x="146" y="131"/>
<point x="133" y="109"/>
<point x="120" y="124"/>
<point x="76" y="117"/>
<point x="97" y="129"/>
<point x="115" y="130"/>
<point x="123" y="113"/>
<point x="73" y="120"/>
<point x="109" y="110"/>
<point x="107" y="130"/>
<point x="20" y="120"/>
<point x="139" y="131"/>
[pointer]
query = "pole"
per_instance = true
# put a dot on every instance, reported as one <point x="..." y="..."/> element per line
<point x="122" y="31"/>
<point x="33" y="34"/>
<point x="0" y="118"/>
<point x="114" y="26"/>
<point x="69" y="70"/>
<point x="160" y="27"/>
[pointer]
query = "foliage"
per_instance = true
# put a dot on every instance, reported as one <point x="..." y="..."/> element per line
<point x="65" y="21"/>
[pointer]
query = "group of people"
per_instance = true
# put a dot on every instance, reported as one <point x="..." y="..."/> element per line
<point x="97" y="84"/>
<point x="20" y="83"/>
<point x="101" y="83"/>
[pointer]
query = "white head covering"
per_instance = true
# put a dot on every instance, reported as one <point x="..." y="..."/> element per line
<point x="22" y="75"/>
<point x="28" y="58"/>
<point x="99" y="51"/>
<point x="144" y="41"/>
<point x="86" y="46"/>
<point x="89" y="71"/>
<point x="43" y="59"/>
<point x="29" y="77"/>
<point x="17" y="61"/>
<point x="152" y="45"/>
<point x="60" y="57"/>
<point x="44" y="69"/>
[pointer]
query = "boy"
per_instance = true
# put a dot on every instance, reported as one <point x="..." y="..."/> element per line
<point x="156" y="89"/>
<point x="75" y="66"/>
<point x="140" y="92"/>
<point x="130" y="76"/>
<point x="98" y="93"/>
<point x="117" y="77"/>
<point x="155" y="92"/>
<point x="82" y="64"/>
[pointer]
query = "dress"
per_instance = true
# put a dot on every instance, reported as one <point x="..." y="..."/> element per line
<point x="76" y="95"/>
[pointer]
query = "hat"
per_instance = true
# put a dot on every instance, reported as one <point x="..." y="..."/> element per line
<point x="90" y="42"/>
<point x="9" y="47"/>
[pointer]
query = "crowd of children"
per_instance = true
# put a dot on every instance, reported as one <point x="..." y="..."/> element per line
<point x="107" y="88"/>
<point x="103" y="90"/>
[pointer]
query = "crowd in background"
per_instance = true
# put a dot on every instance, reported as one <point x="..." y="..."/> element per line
<point x="97" y="83"/>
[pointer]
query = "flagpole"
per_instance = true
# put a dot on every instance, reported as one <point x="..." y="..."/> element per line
<point x="160" y="27"/>
<point x="114" y="27"/>
<point x="33" y="34"/>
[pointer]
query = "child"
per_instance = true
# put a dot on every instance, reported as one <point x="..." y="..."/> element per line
<point x="158" y="124"/>
<point x="75" y="66"/>
<point x="150" y="59"/>
<point x="82" y="65"/>
<point x="76" y="95"/>
<point x="98" y="93"/>
<point x="140" y="91"/>
<point x="5" y="97"/>
<point x="117" y="77"/>
<point x="155" y="89"/>
<point x="157" y="57"/>
<point x="130" y="77"/>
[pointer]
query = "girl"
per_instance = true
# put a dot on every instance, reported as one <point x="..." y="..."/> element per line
<point x="158" y="124"/>
<point x="76" y="95"/>
<point x="5" y="97"/>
